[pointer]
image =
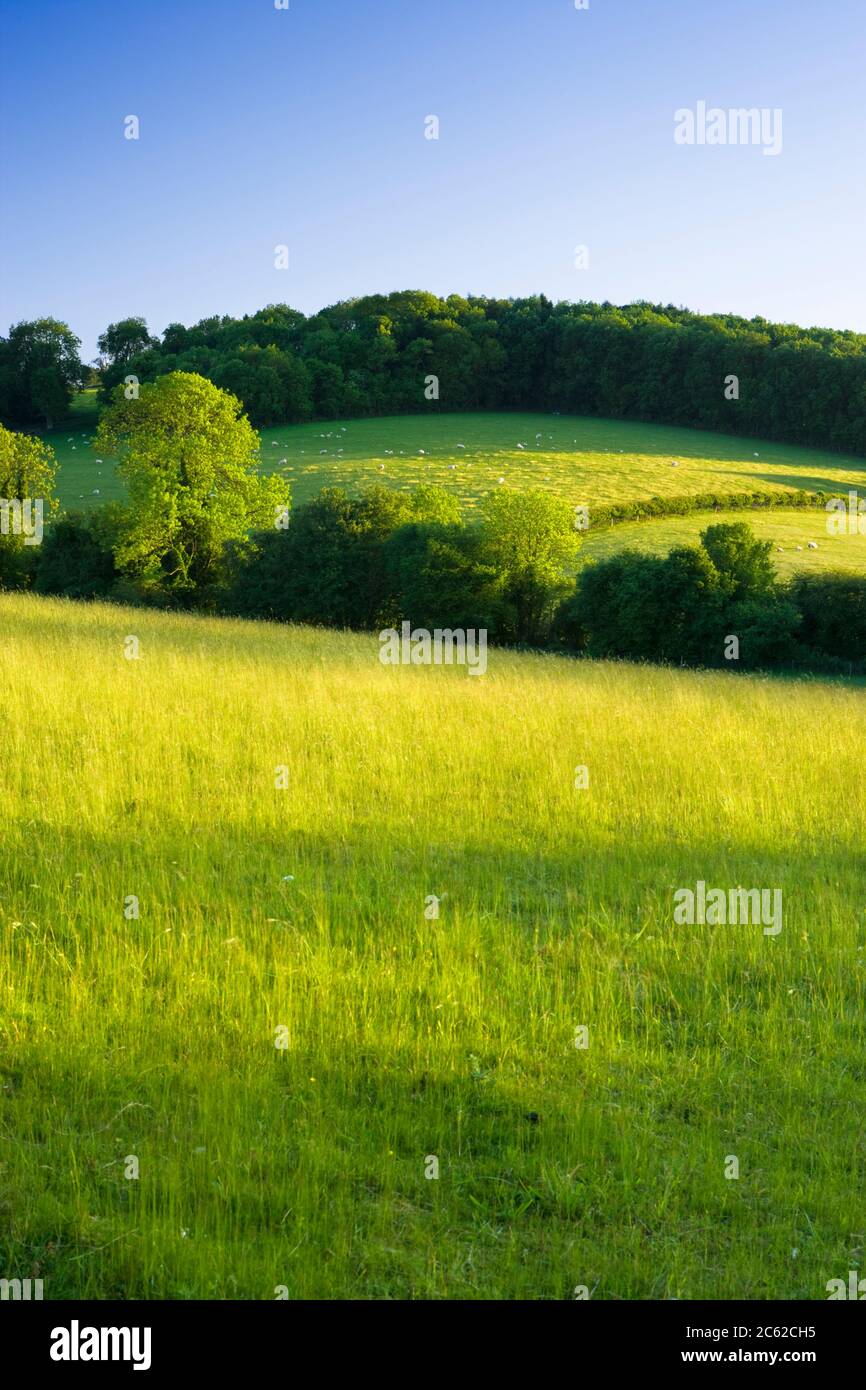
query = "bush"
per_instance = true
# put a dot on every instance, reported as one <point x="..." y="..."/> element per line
<point x="766" y="628"/>
<point x="648" y="608"/>
<point x="438" y="577"/>
<point x="832" y="610"/>
<point x="741" y="559"/>
<point x="328" y="567"/>
<point x="77" y="555"/>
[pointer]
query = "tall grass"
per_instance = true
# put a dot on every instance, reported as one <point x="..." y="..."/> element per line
<point x="410" y="1037"/>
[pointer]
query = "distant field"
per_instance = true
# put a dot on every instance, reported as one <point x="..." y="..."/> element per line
<point x="409" y="1038"/>
<point x="790" y="532"/>
<point x="585" y="460"/>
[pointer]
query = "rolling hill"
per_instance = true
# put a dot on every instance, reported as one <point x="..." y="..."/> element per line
<point x="235" y="1033"/>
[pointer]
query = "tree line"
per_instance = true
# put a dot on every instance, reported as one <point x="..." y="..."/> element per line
<point x="412" y="351"/>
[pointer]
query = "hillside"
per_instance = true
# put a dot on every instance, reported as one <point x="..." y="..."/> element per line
<point x="791" y="532"/>
<point x="410" y="1037"/>
<point x="586" y="460"/>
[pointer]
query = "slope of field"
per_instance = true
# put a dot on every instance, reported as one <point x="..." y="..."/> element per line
<point x="148" y="1042"/>
<point x="585" y="460"/>
<point x="790" y="532"/>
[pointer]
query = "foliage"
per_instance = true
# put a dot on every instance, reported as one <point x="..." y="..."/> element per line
<point x="27" y="475"/>
<point x="77" y="556"/>
<point x="190" y="460"/>
<point x="39" y="370"/>
<point x="372" y="356"/>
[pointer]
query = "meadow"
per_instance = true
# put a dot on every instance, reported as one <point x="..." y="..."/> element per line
<point x="409" y="1037"/>
<point x="789" y="531"/>
<point x="588" y="461"/>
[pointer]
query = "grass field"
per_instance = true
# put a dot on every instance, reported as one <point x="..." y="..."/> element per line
<point x="154" y="1038"/>
<point x="588" y="461"/>
<point x="790" y="532"/>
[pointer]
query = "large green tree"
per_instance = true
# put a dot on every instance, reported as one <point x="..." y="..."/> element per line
<point x="190" y="459"/>
<point x="122" y="340"/>
<point x="530" y="540"/>
<point x="39" y="370"/>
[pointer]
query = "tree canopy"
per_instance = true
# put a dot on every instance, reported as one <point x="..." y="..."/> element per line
<point x="189" y="457"/>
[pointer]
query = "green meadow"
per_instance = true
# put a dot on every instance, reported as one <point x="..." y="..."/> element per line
<point x="588" y="461"/>
<point x="170" y="913"/>
<point x="789" y="531"/>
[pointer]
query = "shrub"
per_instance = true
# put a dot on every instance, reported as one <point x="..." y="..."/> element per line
<point x="77" y="555"/>
<point x="832" y="610"/>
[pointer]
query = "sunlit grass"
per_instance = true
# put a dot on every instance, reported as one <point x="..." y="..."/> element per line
<point x="790" y="532"/>
<point x="411" y="1037"/>
<point x="588" y="461"/>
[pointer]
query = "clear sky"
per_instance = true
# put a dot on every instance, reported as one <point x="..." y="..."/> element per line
<point x="305" y="127"/>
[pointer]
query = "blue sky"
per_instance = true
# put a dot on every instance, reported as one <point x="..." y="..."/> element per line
<point x="305" y="127"/>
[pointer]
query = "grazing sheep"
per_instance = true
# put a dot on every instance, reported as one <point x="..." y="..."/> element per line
<point x="813" y="545"/>
<point x="500" y="480"/>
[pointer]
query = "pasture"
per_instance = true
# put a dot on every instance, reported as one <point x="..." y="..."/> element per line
<point x="155" y="1143"/>
<point x="789" y="530"/>
<point x="587" y="461"/>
